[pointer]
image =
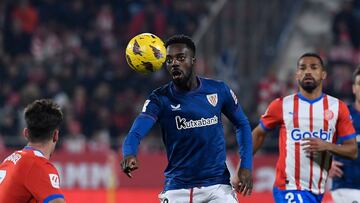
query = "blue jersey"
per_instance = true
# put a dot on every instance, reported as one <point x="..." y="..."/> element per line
<point x="193" y="133"/>
<point x="351" y="168"/>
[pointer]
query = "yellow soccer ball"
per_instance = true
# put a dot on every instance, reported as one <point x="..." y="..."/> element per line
<point x="145" y="53"/>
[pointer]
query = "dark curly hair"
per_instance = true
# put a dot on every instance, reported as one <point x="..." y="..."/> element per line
<point x="313" y="55"/>
<point x="42" y="118"/>
<point x="181" y="39"/>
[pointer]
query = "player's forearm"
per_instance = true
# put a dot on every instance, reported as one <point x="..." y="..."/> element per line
<point x="57" y="200"/>
<point x="258" y="137"/>
<point x="130" y="145"/>
<point x="139" y="129"/>
<point x="245" y="146"/>
<point x="346" y="150"/>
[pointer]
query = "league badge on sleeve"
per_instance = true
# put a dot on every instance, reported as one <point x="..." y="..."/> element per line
<point x="212" y="99"/>
<point x="233" y="96"/>
<point x="2" y="175"/>
<point x="145" y="105"/>
<point x="55" y="180"/>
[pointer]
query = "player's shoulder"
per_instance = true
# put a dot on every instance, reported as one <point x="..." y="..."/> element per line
<point x="213" y="85"/>
<point x="163" y="90"/>
<point x="332" y="99"/>
<point x="281" y="99"/>
<point x="36" y="158"/>
<point x="24" y="159"/>
<point x="211" y="82"/>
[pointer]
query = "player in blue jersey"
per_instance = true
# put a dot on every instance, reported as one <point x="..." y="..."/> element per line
<point x="189" y="110"/>
<point x="346" y="173"/>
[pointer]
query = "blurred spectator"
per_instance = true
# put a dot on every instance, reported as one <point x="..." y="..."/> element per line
<point x="74" y="141"/>
<point x="22" y="22"/>
<point x="73" y="52"/>
<point x="343" y="25"/>
<point x="149" y="19"/>
<point x="269" y="88"/>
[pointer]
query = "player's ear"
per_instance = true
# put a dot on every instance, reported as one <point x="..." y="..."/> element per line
<point x="55" y="135"/>
<point x="324" y="74"/>
<point x="193" y="60"/>
<point x="26" y="133"/>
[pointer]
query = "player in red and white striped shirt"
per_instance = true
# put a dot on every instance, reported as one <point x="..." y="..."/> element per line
<point x="310" y="124"/>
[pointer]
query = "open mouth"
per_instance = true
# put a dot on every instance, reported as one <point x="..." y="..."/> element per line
<point x="176" y="74"/>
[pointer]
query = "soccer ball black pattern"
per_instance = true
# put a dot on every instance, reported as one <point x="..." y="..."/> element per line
<point x="145" y="53"/>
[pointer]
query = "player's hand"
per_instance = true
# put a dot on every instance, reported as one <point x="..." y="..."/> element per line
<point x="335" y="170"/>
<point x="243" y="182"/>
<point x="129" y="164"/>
<point x="314" y="145"/>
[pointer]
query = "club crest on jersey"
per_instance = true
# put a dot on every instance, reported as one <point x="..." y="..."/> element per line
<point x="55" y="180"/>
<point x="212" y="99"/>
<point x="328" y="114"/>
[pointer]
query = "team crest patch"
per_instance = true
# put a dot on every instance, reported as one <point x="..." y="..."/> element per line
<point x="212" y="99"/>
<point x="328" y="114"/>
<point x="55" y="180"/>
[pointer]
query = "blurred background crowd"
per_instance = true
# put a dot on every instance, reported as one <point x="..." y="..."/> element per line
<point x="73" y="51"/>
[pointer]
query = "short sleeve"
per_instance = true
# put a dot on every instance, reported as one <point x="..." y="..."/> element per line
<point x="43" y="182"/>
<point x="344" y="126"/>
<point x="273" y="115"/>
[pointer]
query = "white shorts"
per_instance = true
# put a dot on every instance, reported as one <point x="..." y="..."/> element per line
<point x="212" y="194"/>
<point x="344" y="195"/>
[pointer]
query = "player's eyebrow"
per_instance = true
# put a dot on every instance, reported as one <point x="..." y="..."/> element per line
<point x="311" y="64"/>
<point x="178" y="54"/>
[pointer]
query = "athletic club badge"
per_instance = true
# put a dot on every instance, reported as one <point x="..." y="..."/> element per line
<point x="212" y="99"/>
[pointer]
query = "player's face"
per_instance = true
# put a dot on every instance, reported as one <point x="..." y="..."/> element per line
<point x="310" y="73"/>
<point x="356" y="88"/>
<point x="179" y="62"/>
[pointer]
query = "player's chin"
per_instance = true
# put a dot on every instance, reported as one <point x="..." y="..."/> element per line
<point x="178" y="79"/>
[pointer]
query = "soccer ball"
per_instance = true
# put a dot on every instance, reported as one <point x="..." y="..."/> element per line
<point x="145" y="53"/>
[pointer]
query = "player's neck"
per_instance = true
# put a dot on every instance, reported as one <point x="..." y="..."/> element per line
<point x="191" y="84"/>
<point x="316" y="93"/>
<point x="44" y="148"/>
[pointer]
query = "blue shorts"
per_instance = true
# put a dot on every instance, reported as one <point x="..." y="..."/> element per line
<point x="296" y="196"/>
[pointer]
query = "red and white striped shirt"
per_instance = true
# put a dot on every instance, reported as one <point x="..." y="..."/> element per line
<point x="326" y="117"/>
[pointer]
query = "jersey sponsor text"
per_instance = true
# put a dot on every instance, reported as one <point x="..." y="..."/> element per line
<point x="181" y="123"/>
<point x="297" y="134"/>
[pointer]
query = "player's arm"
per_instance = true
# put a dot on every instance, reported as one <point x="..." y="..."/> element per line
<point x="244" y="182"/>
<point x="232" y="110"/>
<point x="57" y="200"/>
<point x="258" y="137"/>
<point x="348" y="148"/>
<point x="141" y="126"/>
<point x="269" y="120"/>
